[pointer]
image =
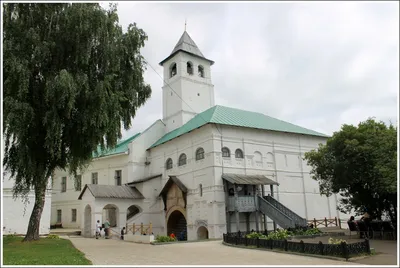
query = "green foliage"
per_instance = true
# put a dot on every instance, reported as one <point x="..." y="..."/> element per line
<point x="335" y="241"/>
<point x="359" y="163"/>
<point x="52" y="236"/>
<point x="41" y="252"/>
<point x="280" y="234"/>
<point x="255" y="235"/>
<point x="72" y="78"/>
<point x="164" y="238"/>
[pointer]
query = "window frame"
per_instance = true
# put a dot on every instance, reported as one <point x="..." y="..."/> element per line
<point x="95" y="179"/>
<point x="169" y="164"/>
<point x="74" y="215"/>
<point x="239" y="151"/>
<point x="171" y="68"/>
<point x="182" y="160"/>
<point x="226" y="154"/>
<point x="59" y="216"/>
<point x="118" y="179"/>
<point x="199" y="155"/>
<point x="63" y="184"/>
<point x="78" y="183"/>
<point x="200" y="71"/>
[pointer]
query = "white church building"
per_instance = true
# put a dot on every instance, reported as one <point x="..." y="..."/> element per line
<point x="203" y="170"/>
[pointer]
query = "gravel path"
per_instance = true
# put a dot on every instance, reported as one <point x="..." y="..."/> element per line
<point x="116" y="252"/>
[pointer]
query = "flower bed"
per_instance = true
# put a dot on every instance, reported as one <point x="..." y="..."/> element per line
<point x="279" y="240"/>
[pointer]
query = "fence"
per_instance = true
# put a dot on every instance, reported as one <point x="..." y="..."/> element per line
<point x="140" y="228"/>
<point x="343" y="250"/>
<point x="326" y="222"/>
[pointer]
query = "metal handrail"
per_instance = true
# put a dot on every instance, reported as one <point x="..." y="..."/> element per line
<point x="288" y="212"/>
<point x="275" y="214"/>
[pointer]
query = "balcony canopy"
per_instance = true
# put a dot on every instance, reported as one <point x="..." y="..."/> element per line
<point x="248" y="179"/>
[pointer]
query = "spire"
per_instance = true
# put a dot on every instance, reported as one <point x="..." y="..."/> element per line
<point x="186" y="44"/>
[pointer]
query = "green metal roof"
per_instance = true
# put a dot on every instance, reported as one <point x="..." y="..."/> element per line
<point x="235" y="117"/>
<point x="121" y="147"/>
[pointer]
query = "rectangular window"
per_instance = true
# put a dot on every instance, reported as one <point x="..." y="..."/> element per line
<point x="73" y="215"/>
<point x="58" y="215"/>
<point x="63" y="184"/>
<point x="78" y="183"/>
<point x="94" y="178"/>
<point x="118" y="177"/>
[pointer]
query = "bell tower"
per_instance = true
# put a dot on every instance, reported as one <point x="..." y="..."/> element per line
<point x="187" y="88"/>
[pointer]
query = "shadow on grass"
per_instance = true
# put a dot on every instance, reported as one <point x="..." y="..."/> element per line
<point x="43" y="252"/>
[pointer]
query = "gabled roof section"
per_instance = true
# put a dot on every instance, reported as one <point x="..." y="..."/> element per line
<point x="186" y="44"/>
<point x="144" y="179"/>
<point x="122" y="147"/>
<point x="234" y="117"/>
<point x="248" y="179"/>
<point x="112" y="191"/>
<point x="167" y="186"/>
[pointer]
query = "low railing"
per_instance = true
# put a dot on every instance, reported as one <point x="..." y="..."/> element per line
<point x="299" y="221"/>
<point x="325" y="222"/>
<point x="241" y="203"/>
<point x="140" y="228"/>
<point x="343" y="249"/>
<point x="275" y="214"/>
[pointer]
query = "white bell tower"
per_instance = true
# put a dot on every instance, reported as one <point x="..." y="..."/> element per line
<point x="187" y="88"/>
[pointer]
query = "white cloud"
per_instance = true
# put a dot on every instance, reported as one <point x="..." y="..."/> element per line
<point x="315" y="64"/>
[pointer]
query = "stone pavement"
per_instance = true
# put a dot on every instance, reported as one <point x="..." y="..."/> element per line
<point x="116" y="252"/>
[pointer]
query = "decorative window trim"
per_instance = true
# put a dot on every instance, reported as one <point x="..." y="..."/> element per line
<point x="182" y="160"/>
<point x="226" y="153"/>
<point x="199" y="154"/>
<point x="239" y="154"/>
<point x="169" y="164"/>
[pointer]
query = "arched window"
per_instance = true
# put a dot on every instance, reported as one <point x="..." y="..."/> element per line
<point x="199" y="154"/>
<point x="182" y="160"/>
<point x="189" y="67"/>
<point x="172" y="70"/>
<point x="168" y="164"/>
<point x="201" y="71"/>
<point x="226" y="152"/>
<point x="238" y="153"/>
<point x="201" y="189"/>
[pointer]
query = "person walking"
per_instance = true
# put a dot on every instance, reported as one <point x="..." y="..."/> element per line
<point x="122" y="233"/>
<point x="98" y="230"/>
<point x="107" y="228"/>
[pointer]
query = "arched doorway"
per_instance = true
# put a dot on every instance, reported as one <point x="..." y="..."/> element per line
<point x="202" y="233"/>
<point x="132" y="211"/>
<point x="87" y="222"/>
<point x="111" y="213"/>
<point x="177" y="224"/>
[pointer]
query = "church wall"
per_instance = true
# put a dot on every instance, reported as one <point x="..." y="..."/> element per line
<point x="16" y="213"/>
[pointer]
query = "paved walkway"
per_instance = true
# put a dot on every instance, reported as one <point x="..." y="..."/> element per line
<point x="116" y="252"/>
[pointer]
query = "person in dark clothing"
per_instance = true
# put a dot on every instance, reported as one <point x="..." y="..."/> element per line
<point x="122" y="233"/>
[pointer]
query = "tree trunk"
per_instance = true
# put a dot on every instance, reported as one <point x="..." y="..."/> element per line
<point x="34" y="222"/>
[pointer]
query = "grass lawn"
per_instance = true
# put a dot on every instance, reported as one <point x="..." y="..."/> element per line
<point x="43" y="252"/>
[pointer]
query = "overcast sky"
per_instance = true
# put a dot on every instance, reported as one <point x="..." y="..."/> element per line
<point x="317" y="65"/>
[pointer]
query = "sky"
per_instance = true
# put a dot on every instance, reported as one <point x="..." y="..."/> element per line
<point x="314" y="64"/>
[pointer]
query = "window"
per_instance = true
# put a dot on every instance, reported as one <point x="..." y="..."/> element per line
<point x="226" y="152"/>
<point x="182" y="160"/>
<point x="118" y="177"/>
<point x="94" y="178"/>
<point x="168" y="164"/>
<point x="238" y="153"/>
<point x="78" y="183"/>
<point x="58" y="215"/>
<point x="201" y="71"/>
<point x="201" y="189"/>
<point x="189" y="67"/>
<point x="199" y="154"/>
<point x="63" y="184"/>
<point x="73" y="215"/>
<point x="172" y="70"/>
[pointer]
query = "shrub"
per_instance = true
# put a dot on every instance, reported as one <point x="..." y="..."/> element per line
<point x="164" y="238"/>
<point x="279" y="235"/>
<point x="256" y="235"/>
<point x="335" y="241"/>
<point x="312" y="231"/>
<point x="53" y="236"/>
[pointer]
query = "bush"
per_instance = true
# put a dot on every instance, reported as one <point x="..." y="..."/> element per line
<point x="335" y="241"/>
<point x="164" y="238"/>
<point x="255" y="235"/>
<point x="53" y="236"/>
<point x="279" y="235"/>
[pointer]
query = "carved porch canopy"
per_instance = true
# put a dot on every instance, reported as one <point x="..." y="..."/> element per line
<point x="248" y="179"/>
<point x="171" y="181"/>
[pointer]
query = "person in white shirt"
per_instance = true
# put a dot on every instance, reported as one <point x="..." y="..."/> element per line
<point x="98" y="230"/>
